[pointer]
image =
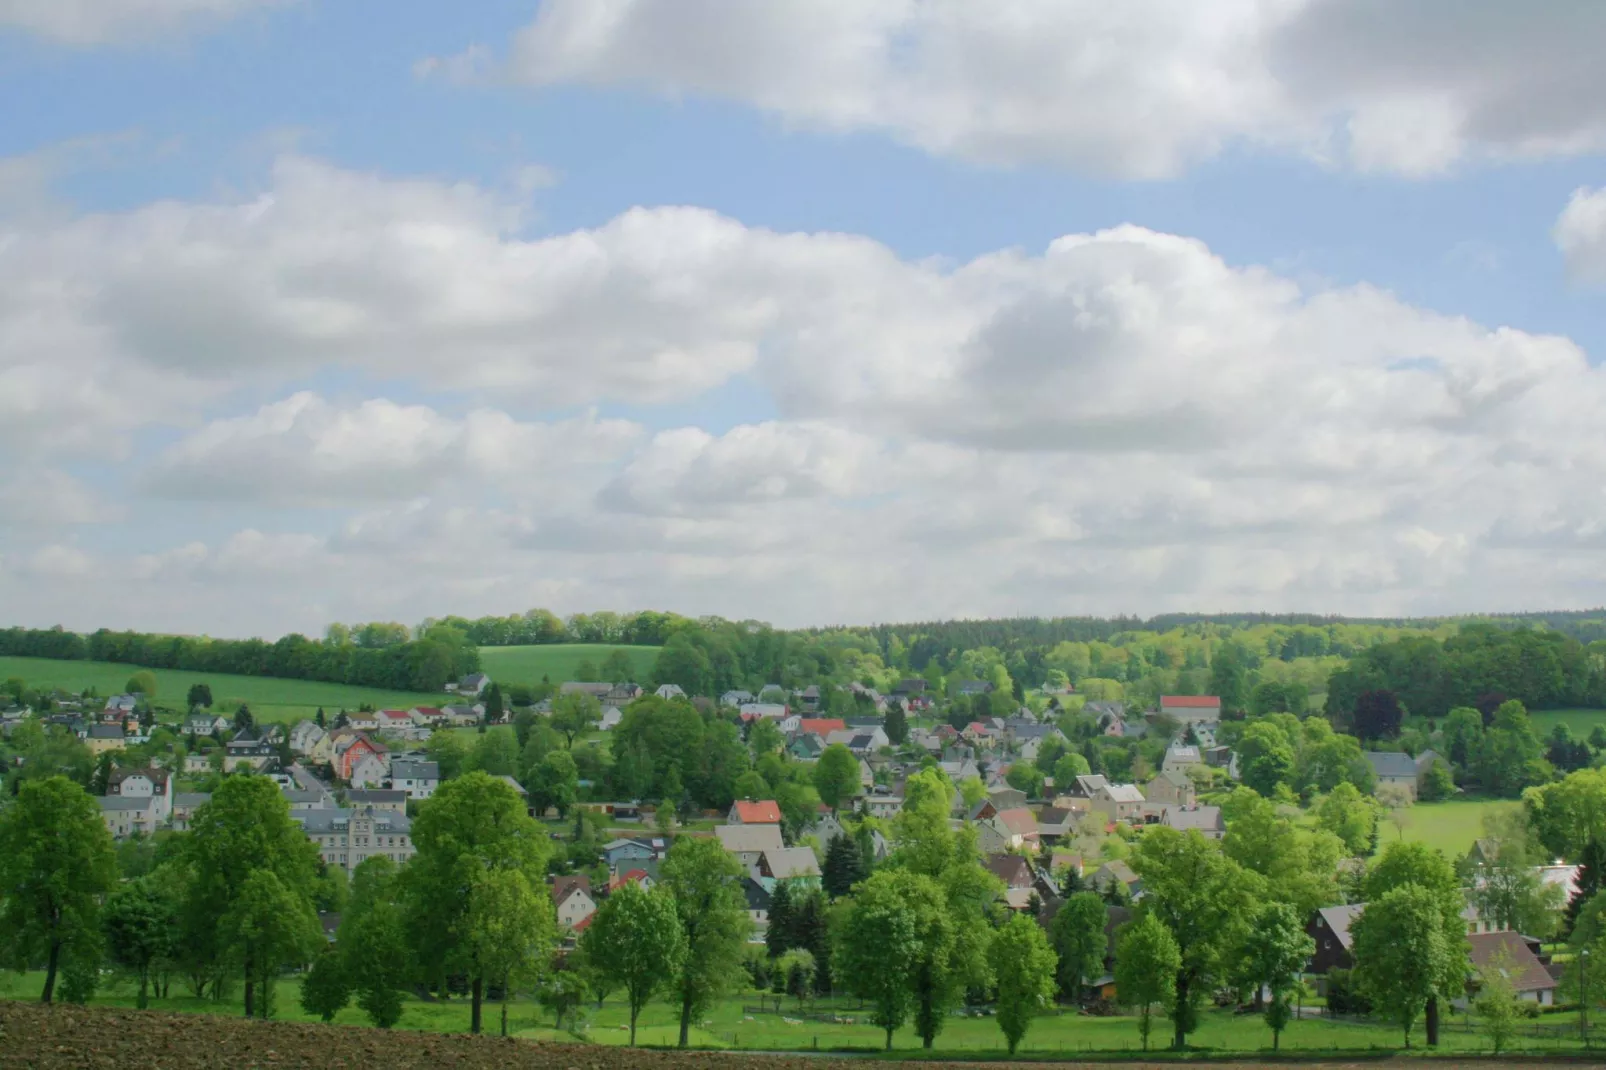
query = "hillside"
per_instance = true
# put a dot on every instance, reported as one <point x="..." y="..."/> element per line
<point x="558" y="661"/>
<point x="270" y="699"/>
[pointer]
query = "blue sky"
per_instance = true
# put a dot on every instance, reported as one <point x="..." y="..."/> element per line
<point x="382" y="310"/>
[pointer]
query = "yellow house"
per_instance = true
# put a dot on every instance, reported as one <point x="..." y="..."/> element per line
<point x="103" y="738"/>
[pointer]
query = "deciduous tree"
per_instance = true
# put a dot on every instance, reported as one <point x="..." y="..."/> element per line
<point x="141" y="929"/>
<point x="1401" y="955"/>
<point x="636" y="941"/>
<point x="1147" y="963"/>
<point x="705" y="882"/>
<point x="836" y="775"/>
<point x="1275" y="954"/>
<point x="1023" y="964"/>
<point x="877" y="949"/>
<point x="1078" y="929"/>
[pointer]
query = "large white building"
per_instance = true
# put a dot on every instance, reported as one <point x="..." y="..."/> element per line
<point x="347" y="838"/>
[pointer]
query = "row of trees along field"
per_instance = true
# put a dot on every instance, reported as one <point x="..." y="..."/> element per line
<point x="231" y="906"/>
<point x="426" y="663"/>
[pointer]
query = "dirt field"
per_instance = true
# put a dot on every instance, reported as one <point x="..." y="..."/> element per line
<point x="42" y="1038"/>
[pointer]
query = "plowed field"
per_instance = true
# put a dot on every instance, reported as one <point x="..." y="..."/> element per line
<point x="41" y="1038"/>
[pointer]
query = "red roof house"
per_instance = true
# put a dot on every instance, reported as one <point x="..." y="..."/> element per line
<point x="822" y="726"/>
<point x="744" y="812"/>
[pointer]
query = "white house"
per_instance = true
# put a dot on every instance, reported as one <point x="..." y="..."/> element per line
<point x="305" y="736"/>
<point x="370" y="771"/>
<point x="418" y="779"/>
<point x="670" y="691"/>
<point x="144" y="783"/>
<point x="127" y="815"/>
<point x="571" y="896"/>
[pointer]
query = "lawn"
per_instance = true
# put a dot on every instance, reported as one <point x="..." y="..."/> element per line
<point x="558" y="661"/>
<point x="1579" y="722"/>
<point x="270" y="698"/>
<point x="729" y="1025"/>
<point x="1449" y="826"/>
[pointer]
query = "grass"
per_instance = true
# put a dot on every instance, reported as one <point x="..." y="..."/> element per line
<point x="270" y="698"/>
<point x="557" y="661"/>
<point x="1579" y="722"/>
<point x="1450" y="826"/>
<point x="728" y="1026"/>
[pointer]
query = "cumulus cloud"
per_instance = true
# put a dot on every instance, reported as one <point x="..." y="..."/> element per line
<point x="306" y="451"/>
<point x="1136" y="89"/>
<point x="1120" y="421"/>
<point x="99" y="22"/>
<point x="1581" y="236"/>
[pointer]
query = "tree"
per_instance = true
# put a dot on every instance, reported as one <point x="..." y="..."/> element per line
<point x="139" y="924"/>
<point x="795" y="974"/>
<point x="495" y="706"/>
<point x="100" y="779"/>
<point x="1023" y="964"/>
<point x="508" y="930"/>
<point x="1497" y="1005"/>
<point x="574" y="714"/>
<point x="1570" y="813"/>
<point x="705" y="882"/>
<point x="56" y="862"/>
<point x="1266" y="757"/>
<point x="1591" y="868"/>
<point x="142" y="683"/>
<point x="1417" y="864"/>
<point x="324" y="990"/>
<point x="243" y="829"/>
<point x="1505" y="887"/>
<point x="496" y="753"/>
<point x="1203" y="898"/>
<point x="1274" y="956"/>
<point x="1067" y="768"/>
<point x="1026" y="777"/>
<point x="270" y="924"/>
<point x="1229" y="678"/>
<point x="1350" y="816"/>
<point x="1510" y="758"/>
<point x="446" y="750"/>
<point x="555" y="783"/>
<point x="1463" y="735"/>
<point x="764" y="737"/>
<point x="373" y="939"/>
<point x="778" y="936"/>
<point x="1079" y="939"/>
<point x="636" y="941"/>
<point x="1401" y="955"/>
<point x="243" y="721"/>
<point x="1438" y="783"/>
<point x="843" y="868"/>
<point x="896" y="724"/>
<point x="1378" y="715"/>
<point x="751" y="785"/>
<point x="836" y="775"/>
<point x="199" y="697"/>
<point x="472" y="825"/>
<point x="877" y="949"/>
<point x="1147" y="964"/>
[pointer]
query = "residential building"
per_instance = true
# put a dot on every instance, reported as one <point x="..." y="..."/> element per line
<point x="391" y="800"/>
<point x="585" y="687"/>
<point x="351" y="748"/>
<point x="1178" y="758"/>
<point x="1394" y="769"/>
<point x="821" y="726"/>
<point x="371" y="770"/>
<point x="623" y="852"/>
<point x="736" y="698"/>
<point x="1516" y="957"/>
<point x="1084" y="786"/>
<point x="248" y="750"/>
<point x="749" y="842"/>
<point x="747" y="812"/>
<point x="788" y="864"/>
<point x="144" y="783"/>
<point x="882" y="805"/>
<point x="1171" y="787"/>
<point x="1055" y="823"/>
<point x="1008" y="830"/>
<point x="204" y="724"/>
<point x="1187" y="708"/>
<point x="104" y="738"/>
<point x="758" y="907"/>
<point x="572" y="901"/>
<point x="668" y="691"/>
<point x="1330" y="928"/>
<point x="1118" y="802"/>
<point x="127" y="815"/>
<point x="1117" y="870"/>
<point x="1206" y="820"/>
<point x="474" y="684"/>
<point x="305" y="736"/>
<point x="346" y="838"/>
<point x="1007" y="798"/>
<point x="418" y="779"/>
<point x="1017" y="875"/>
<point x="185" y="803"/>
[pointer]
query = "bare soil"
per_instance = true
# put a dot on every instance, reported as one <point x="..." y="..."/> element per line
<point x="99" y="1038"/>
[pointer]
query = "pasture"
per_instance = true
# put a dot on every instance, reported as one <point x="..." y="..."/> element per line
<point x="1579" y="722"/>
<point x="270" y="698"/>
<point x="1450" y="826"/>
<point x="558" y="661"/>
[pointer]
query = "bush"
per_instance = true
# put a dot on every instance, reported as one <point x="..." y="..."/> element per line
<point x="1342" y="997"/>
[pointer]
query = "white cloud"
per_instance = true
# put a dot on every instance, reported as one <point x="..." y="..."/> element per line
<point x="306" y="451"/>
<point x="1141" y="88"/>
<point x="1581" y="235"/>
<point x="99" y="22"/>
<point x="1122" y="421"/>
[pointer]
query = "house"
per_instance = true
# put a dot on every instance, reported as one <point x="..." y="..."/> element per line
<point x="1206" y="820"/>
<point x="128" y="815"/>
<point x="670" y="691"/>
<point x="1512" y="953"/>
<point x="199" y="763"/>
<point x="184" y="806"/>
<point x="1017" y="875"/>
<point x="1007" y="798"/>
<point x="1178" y="758"/>
<point x="879" y="804"/>
<point x="363" y="720"/>
<point x="1008" y="830"/>
<point x="758" y="907"/>
<point x="810" y="697"/>
<point x="806" y="748"/>
<point x="247" y="750"/>
<point x="204" y="724"/>
<point x="736" y="698"/>
<point x="773" y="711"/>
<point x="461" y="715"/>
<point x="639" y="877"/>
<point x="1330" y="928"/>
<point x="623" y="852"/>
<point x="418" y="779"/>
<point x="788" y="864"/>
<point x="387" y="799"/>
<point x="622" y="694"/>
<point x="913" y="686"/>
<point x="1118" y="802"/>
<point x="1171" y="787"/>
<point x="825" y="829"/>
<point x="396" y="721"/>
<point x="301" y="799"/>
<point x="305" y="736"/>
<point x="572" y="900"/>
<point x="746" y="812"/>
<point x="351" y="749"/>
<point x="346" y="838"/>
<point x="144" y="783"/>
<point x="1085" y="785"/>
<point x="1055" y="823"/>
<point x="749" y="842"/>
<point x="611" y="716"/>
<point x="1394" y="770"/>
<point x="821" y="726"/>
<point x="1117" y="870"/>
<point x="371" y="770"/>
<point x="585" y="687"/>
<point x="1186" y="708"/>
<point x="104" y="738"/>
<point x="474" y="684"/>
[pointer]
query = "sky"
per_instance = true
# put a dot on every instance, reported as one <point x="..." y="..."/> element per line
<point x="807" y="311"/>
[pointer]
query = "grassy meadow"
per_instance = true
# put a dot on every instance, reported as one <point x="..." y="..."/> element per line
<point x="729" y="1025"/>
<point x="1579" y="722"/>
<point x="1450" y="826"/>
<point x="558" y="662"/>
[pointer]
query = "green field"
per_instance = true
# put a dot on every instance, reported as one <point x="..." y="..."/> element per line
<point x="728" y="1025"/>
<point x="1449" y="826"/>
<point x="558" y="662"/>
<point x="270" y="699"/>
<point x="1579" y="722"/>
